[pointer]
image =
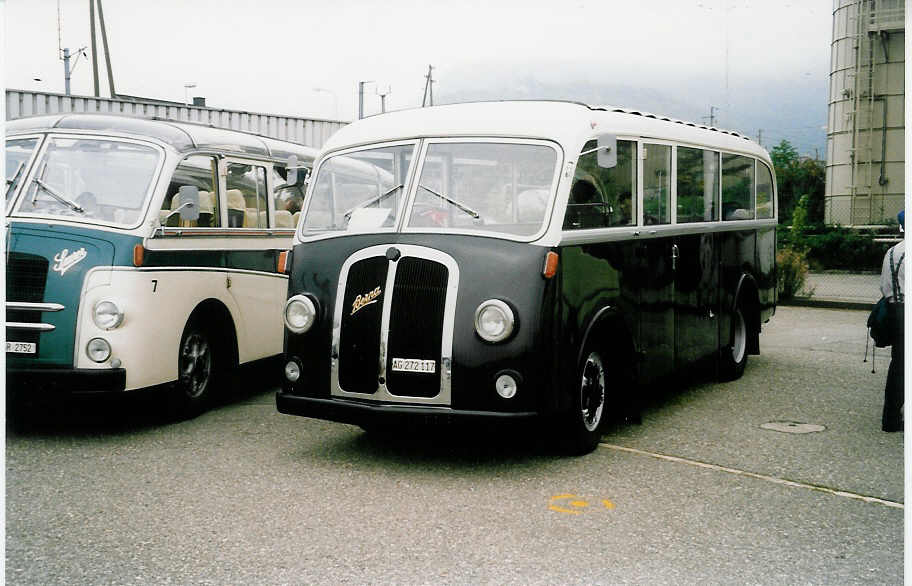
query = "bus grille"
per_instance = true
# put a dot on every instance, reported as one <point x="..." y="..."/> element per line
<point x="26" y="275"/>
<point x="416" y="325"/>
<point x="359" y="341"/>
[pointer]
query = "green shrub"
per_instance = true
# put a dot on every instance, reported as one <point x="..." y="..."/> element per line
<point x="792" y="270"/>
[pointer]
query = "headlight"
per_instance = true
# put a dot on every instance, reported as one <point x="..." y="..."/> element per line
<point x="98" y="350"/>
<point x="107" y="315"/>
<point x="494" y="320"/>
<point x="300" y="314"/>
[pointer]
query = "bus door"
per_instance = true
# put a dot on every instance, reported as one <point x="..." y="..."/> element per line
<point x="657" y="293"/>
<point x="696" y="282"/>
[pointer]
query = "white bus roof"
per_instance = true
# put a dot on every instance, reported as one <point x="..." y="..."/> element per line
<point x="569" y="123"/>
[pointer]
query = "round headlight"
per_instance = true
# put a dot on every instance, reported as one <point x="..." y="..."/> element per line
<point x="107" y="315"/>
<point x="494" y="320"/>
<point x="300" y="314"/>
<point x="98" y="350"/>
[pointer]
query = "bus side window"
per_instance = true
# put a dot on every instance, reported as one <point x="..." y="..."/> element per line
<point x="656" y="187"/>
<point x="287" y="201"/>
<point x="603" y="197"/>
<point x="248" y="181"/>
<point x="698" y="185"/>
<point x="199" y="171"/>
<point x="764" y="191"/>
<point x="737" y="187"/>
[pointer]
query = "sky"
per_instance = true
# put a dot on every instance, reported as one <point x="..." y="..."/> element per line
<point x="757" y="66"/>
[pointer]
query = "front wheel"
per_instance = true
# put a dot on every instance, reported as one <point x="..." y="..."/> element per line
<point x="734" y="356"/>
<point x="196" y="369"/>
<point x="584" y="422"/>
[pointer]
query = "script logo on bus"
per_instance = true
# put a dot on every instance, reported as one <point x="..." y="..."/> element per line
<point x="362" y="301"/>
<point x="64" y="260"/>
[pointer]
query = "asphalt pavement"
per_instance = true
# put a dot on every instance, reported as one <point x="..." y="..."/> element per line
<point x="781" y="477"/>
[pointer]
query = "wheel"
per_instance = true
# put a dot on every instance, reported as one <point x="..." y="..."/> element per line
<point x="734" y="356"/>
<point x="584" y="422"/>
<point x="196" y="370"/>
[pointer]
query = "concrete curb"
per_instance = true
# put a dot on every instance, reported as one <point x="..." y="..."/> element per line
<point x="828" y="303"/>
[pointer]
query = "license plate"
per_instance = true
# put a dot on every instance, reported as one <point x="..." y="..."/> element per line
<point x="414" y="365"/>
<point x="21" y="347"/>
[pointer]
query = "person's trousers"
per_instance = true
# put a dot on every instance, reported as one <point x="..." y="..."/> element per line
<point x="892" y="419"/>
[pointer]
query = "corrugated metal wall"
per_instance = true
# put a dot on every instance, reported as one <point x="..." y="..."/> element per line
<point x="307" y="131"/>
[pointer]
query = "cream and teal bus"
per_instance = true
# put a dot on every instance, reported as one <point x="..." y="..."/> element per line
<point x="143" y="254"/>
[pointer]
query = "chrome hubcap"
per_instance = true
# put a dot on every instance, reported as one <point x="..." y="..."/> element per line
<point x="592" y="391"/>
<point x="195" y="365"/>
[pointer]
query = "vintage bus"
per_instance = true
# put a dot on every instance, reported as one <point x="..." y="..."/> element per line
<point x="143" y="253"/>
<point x="523" y="260"/>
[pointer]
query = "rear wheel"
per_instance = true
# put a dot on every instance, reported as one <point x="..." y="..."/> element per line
<point x="584" y="422"/>
<point x="734" y="356"/>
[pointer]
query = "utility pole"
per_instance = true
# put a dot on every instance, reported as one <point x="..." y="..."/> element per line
<point x="760" y="137"/>
<point x="712" y="116"/>
<point x="94" y="52"/>
<point x="104" y="42"/>
<point x="361" y="85"/>
<point x="383" y="95"/>
<point x="428" y="88"/>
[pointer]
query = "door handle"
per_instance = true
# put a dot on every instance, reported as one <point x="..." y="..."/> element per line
<point x="675" y="253"/>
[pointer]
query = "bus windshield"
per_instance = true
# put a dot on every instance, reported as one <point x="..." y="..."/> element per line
<point x="462" y="186"/>
<point x="486" y="186"/>
<point x="92" y="179"/>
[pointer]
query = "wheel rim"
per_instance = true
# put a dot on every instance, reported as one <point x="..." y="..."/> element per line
<point x="195" y="365"/>
<point x="592" y="391"/>
<point x="739" y="337"/>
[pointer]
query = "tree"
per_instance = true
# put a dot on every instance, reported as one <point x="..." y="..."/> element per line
<point x="796" y="177"/>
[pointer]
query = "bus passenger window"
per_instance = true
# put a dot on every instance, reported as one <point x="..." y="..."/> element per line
<point x="698" y="185"/>
<point x="656" y="178"/>
<point x="764" y="191"/>
<point x="603" y="197"/>
<point x="250" y="181"/>
<point x="199" y="171"/>
<point x="287" y="201"/>
<point x="737" y="187"/>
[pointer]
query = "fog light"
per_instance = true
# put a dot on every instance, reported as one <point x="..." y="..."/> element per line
<point x="506" y="386"/>
<point x="292" y="371"/>
<point x="98" y="350"/>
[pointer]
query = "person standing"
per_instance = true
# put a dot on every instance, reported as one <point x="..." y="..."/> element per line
<point x="891" y="285"/>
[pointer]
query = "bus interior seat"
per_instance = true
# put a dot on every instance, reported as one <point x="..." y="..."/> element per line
<point x="283" y="219"/>
<point x="237" y="208"/>
<point x="295" y="217"/>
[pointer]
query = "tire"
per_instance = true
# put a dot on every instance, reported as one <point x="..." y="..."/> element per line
<point x="583" y="425"/>
<point x="733" y="359"/>
<point x="197" y="370"/>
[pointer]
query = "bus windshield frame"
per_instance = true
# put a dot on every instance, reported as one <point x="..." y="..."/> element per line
<point x="498" y="187"/>
<point x="72" y="178"/>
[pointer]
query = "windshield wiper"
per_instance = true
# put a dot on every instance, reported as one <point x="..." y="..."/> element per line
<point x="463" y="207"/>
<point x="15" y="178"/>
<point x="53" y="193"/>
<point x="373" y="200"/>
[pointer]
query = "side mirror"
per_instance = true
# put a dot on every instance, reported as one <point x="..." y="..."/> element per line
<point x="189" y="200"/>
<point x="607" y="156"/>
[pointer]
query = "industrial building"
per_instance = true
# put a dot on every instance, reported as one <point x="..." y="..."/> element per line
<point x="307" y="131"/>
<point x="865" y="124"/>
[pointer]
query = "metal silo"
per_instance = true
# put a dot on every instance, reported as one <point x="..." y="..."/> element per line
<point x="865" y="125"/>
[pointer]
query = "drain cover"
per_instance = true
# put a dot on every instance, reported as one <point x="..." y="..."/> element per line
<point x="792" y="427"/>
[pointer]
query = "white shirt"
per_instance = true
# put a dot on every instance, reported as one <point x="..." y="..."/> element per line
<point x="886" y="280"/>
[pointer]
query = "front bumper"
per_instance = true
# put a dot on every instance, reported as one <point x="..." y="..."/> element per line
<point x="358" y="413"/>
<point x="24" y="381"/>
